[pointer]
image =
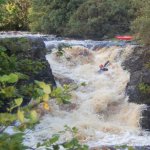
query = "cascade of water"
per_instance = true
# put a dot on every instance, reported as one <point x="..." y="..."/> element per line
<point x="102" y="112"/>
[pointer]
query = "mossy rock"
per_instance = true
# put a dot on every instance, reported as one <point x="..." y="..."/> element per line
<point x="25" y="47"/>
<point x="30" y="53"/>
<point x="32" y="48"/>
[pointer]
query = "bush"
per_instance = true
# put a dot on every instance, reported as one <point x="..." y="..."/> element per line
<point x="11" y="142"/>
<point x="81" y="18"/>
<point x="141" y="24"/>
<point x="72" y="144"/>
<point x="51" y="16"/>
<point x="17" y="88"/>
<point x="14" y="15"/>
<point x="98" y="18"/>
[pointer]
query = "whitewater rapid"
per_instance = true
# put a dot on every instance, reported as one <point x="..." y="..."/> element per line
<point x="101" y="109"/>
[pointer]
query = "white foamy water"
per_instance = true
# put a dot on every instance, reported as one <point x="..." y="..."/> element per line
<point x="102" y="114"/>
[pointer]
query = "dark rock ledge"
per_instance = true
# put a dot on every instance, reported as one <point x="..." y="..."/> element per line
<point x="140" y="73"/>
<point x="30" y="47"/>
<point x="33" y="48"/>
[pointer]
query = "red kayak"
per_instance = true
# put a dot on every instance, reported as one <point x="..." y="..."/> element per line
<point x="127" y="38"/>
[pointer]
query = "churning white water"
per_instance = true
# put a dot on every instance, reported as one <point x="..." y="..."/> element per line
<point x="101" y="109"/>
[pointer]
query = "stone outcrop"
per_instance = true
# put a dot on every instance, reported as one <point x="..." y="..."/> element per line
<point x="136" y="64"/>
<point x="33" y="48"/>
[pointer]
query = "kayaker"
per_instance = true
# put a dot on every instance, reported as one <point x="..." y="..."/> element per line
<point x="103" y="67"/>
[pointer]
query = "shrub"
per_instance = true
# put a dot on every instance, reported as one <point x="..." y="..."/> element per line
<point x="72" y="144"/>
<point x="12" y="142"/>
<point x="51" y="16"/>
<point x="140" y="25"/>
<point x="14" y="15"/>
<point x="98" y="18"/>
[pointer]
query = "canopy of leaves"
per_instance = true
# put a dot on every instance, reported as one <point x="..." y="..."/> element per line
<point x="14" y="14"/>
<point x="83" y="18"/>
<point x="141" y="24"/>
<point x="52" y="16"/>
<point x="97" y="18"/>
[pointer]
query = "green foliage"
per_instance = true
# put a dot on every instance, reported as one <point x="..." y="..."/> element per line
<point x="8" y="63"/>
<point x="11" y="78"/>
<point x="15" y="85"/>
<point x="7" y="119"/>
<point x="78" y="18"/>
<point x="81" y="18"/>
<point x="72" y="144"/>
<point x="83" y="84"/>
<point x="126" y="147"/>
<point x="144" y="88"/>
<point x="28" y="66"/>
<point x="52" y="16"/>
<point x="62" y="95"/>
<point x="6" y="89"/>
<point x="60" y="51"/>
<point x="12" y="142"/>
<point x="11" y="91"/>
<point x="141" y="24"/>
<point x="13" y="64"/>
<point x="14" y="14"/>
<point x="98" y="18"/>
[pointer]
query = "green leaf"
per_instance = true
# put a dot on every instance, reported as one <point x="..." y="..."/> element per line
<point x="22" y="76"/>
<point x="4" y="78"/>
<point x="13" y="78"/>
<point x="39" y="92"/>
<point x="18" y="101"/>
<point x="75" y="130"/>
<point x="33" y="116"/>
<point x="2" y="49"/>
<point x="7" y="118"/>
<point x="54" y="139"/>
<point x="20" y="115"/>
<point x="45" y="97"/>
<point x="46" y="88"/>
<point x="8" y="91"/>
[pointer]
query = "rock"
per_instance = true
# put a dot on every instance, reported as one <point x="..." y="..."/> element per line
<point x="29" y="48"/>
<point x="121" y="147"/>
<point x="145" y="120"/>
<point x="32" y="48"/>
<point x="139" y="73"/>
<point x="63" y="80"/>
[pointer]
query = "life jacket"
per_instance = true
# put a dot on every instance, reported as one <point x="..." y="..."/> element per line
<point x="101" y="66"/>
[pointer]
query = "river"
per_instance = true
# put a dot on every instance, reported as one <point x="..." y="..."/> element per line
<point x="101" y="109"/>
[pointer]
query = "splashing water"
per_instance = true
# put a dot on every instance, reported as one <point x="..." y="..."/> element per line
<point x="102" y="112"/>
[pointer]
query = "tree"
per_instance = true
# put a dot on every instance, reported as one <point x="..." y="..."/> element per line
<point x="51" y="16"/>
<point x="14" y="15"/>
<point x="1" y="2"/>
<point x="141" y="24"/>
<point x="97" y="18"/>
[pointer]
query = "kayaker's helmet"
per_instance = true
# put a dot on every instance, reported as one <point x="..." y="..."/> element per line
<point x="101" y="66"/>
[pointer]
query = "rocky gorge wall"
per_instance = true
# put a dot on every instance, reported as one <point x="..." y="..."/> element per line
<point x="138" y="66"/>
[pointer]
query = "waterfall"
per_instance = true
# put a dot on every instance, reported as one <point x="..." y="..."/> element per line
<point x="101" y="109"/>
